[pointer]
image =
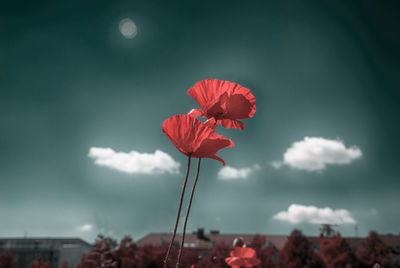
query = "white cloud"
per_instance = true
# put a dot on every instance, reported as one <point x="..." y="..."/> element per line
<point x="314" y="153"/>
<point x="277" y="164"/>
<point x="231" y="173"/>
<point x="134" y="162"/>
<point x="311" y="214"/>
<point x="85" y="228"/>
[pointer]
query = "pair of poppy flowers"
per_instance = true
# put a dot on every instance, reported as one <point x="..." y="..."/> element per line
<point x="222" y="102"/>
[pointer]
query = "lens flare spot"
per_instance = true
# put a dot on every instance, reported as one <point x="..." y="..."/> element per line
<point x="128" y="28"/>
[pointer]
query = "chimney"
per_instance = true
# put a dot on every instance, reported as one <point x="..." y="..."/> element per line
<point x="200" y="235"/>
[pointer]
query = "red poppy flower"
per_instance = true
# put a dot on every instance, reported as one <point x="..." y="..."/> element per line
<point x="223" y="102"/>
<point x="194" y="138"/>
<point x="242" y="257"/>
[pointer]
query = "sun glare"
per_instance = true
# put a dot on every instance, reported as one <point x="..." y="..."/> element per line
<point x="128" y="28"/>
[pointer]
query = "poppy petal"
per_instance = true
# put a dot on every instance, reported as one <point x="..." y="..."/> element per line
<point x="210" y="146"/>
<point x="195" y="113"/>
<point x="244" y="257"/>
<point x="254" y="261"/>
<point x="229" y="260"/>
<point x="231" y="123"/>
<point x="234" y="261"/>
<point x="185" y="132"/>
<point x="248" y="253"/>
<point x="237" y="252"/>
<point x="208" y="92"/>
<point x="217" y="158"/>
<point x="211" y="123"/>
<point x="193" y="138"/>
<point x="223" y="99"/>
<point x="211" y="120"/>
<point x="251" y="262"/>
<point x="240" y="104"/>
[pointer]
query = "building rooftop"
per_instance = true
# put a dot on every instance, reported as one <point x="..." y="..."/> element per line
<point x="199" y="240"/>
<point x="41" y="243"/>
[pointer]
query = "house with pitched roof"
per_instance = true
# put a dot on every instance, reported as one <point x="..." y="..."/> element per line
<point x="202" y="242"/>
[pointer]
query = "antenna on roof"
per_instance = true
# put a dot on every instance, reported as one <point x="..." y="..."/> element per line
<point x="356" y="231"/>
<point x="327" y="230"/>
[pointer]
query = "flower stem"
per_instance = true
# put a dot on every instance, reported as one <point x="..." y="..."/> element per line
<point x="187" y="215"/>
<point x="179" y="212"/>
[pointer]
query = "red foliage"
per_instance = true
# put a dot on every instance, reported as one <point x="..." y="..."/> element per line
<point x="216" y="257"/>
<point x="267" y="257"/>
<point x="266" y="254"/>
<point x="194" y="138"/>
<point x="126" y="253"/>
<point x="298" y="252"/>
<point x="336" y="252"/>
<point x="373" y="250"/>
<point x="258" y="243"/>
<point x="39" y="264"/>
<point x="64" y="263"/>
<point x="150" y="256"/>
<point x="101" y="255"/>
<point x="223" y="102"/>
<point x="7" y="260"/>
<point x="190" y="257"/>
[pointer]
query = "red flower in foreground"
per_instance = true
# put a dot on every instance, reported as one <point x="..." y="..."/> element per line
<point x="223" y="102"/>
<point x="242" y="257"/>
<point x="194" y="138"/>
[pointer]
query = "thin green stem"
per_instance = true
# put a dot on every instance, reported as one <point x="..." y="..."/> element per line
<point x="187" y="215"/>
<point x="179" y="212"/>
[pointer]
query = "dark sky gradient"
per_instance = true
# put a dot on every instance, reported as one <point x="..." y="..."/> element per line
<point x="70" y="81"/>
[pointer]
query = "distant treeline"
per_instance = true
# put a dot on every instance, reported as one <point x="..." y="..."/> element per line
<point x="333" y="251"/>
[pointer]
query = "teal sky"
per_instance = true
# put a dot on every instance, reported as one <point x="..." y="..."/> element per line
<point x="70" y="81"/>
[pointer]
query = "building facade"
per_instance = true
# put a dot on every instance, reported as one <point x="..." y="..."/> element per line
<point x="53" y="250"/>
